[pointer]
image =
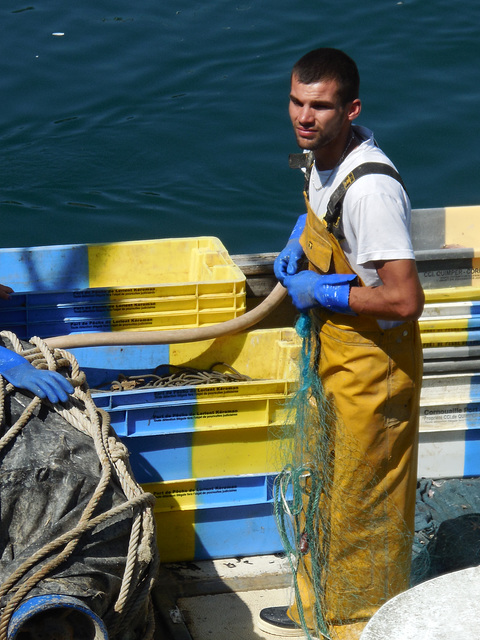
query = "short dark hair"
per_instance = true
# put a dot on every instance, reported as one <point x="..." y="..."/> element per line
<point x="327" y="63"/>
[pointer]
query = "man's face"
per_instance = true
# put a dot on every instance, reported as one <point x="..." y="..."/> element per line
<point x="317" y="115"/>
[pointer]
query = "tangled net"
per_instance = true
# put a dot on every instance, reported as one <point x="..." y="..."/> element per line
<point x="298" y="488"/>
<point x="142" y="558"/>
<point x="331" y="509"/>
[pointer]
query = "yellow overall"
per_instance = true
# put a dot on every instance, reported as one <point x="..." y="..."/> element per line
<point x="373" y="378"/>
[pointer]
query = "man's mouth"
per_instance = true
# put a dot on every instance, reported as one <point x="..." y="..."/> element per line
<point x="306" y="133"/>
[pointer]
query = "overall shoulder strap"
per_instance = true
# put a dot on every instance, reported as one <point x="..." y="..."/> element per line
<point x="302" y="161"/>
<point x="335" y="204"/>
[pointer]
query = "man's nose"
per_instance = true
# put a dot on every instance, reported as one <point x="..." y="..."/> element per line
<point x="306" y="114"/>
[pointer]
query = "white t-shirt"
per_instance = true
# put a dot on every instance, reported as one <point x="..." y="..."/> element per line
<point x="376" y="211"/>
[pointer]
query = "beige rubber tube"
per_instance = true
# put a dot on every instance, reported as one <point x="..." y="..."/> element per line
<point x="229" y="327"/>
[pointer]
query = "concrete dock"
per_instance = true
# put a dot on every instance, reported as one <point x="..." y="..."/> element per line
<point x="220" y="599"/>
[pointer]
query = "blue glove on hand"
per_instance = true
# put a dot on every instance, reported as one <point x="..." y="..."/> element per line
<point x="309" y="289"/>
<point x="288" y="260"/>
<point x="45" y="384"/>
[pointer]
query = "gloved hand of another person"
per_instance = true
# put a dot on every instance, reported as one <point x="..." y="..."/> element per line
<point x="45" y="384"/>
<point x="309" y="289"/>
<point x="5" y="291"/>
<point x="288" y="260"/>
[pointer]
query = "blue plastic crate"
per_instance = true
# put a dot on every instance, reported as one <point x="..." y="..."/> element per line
<point x="26" y="328"/>
<point x="208" y="430"/>
<point x="199" y="431"/>
<point x="215" y="518"/>
<point x="172" y="283"/>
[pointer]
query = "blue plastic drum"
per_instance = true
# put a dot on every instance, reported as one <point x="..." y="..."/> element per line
<point x="55" y="616"/>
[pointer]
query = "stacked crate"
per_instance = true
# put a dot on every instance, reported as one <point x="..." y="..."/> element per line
<point x="209" y="453"/>
<point x="122" y="286"/>
<point x="447" y="247"/>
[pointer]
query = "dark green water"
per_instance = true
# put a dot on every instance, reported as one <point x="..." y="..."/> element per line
<point x="169" y="119"/>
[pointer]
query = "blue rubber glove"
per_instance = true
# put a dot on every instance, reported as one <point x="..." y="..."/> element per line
<point x="45" y="384"/>
<point x="309" y="289"/>
<point x="288" y="260"/>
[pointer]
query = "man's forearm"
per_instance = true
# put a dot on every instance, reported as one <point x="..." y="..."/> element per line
<point x="400" y="297"/>
<point x="377" y="303"/>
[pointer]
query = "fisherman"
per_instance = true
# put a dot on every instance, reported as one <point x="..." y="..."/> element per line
<point x="18" y="371"/>
<point x="363" y="295"/>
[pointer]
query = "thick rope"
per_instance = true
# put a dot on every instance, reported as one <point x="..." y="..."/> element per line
<point x="80" y="412"/>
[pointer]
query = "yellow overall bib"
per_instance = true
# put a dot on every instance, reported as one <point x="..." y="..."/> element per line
<point x="373" y="378"/>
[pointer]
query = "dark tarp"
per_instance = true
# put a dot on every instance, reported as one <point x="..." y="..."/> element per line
<point x="47" y="475"/>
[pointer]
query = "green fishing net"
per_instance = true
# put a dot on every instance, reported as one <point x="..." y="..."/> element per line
<point x="326" y="511"/>
<point x="298" y="488"/>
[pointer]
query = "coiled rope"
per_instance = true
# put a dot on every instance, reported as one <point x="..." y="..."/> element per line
<point x="176" y="377"/>
<point x="142" y="557"/>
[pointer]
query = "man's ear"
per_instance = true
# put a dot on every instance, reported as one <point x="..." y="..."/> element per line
<point x="354" y="109"/>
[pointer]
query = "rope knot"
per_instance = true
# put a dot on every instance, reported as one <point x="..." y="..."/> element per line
<point x="117" y="450"/>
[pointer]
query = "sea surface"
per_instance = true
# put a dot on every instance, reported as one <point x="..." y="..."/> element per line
<point x="153" y="119"/>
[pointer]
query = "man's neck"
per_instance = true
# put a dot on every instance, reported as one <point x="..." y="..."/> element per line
<point x="329" y="157"/>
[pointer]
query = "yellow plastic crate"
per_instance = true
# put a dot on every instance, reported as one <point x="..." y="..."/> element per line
<point x="453" y="294"/>
<point x="203" y="261"/>
<point x="215" y="518"/>
<point x="123" y="286"/>
<point x="206" y="430"/>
